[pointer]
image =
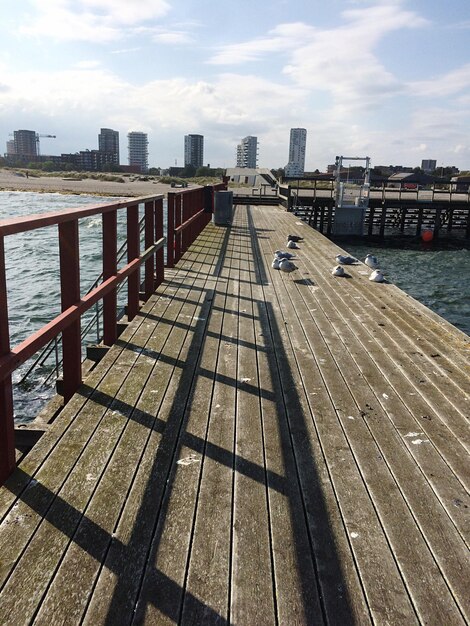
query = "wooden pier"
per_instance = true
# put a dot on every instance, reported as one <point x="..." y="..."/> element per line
<point x="389" y="211"/>
<point x="256" y="448"/>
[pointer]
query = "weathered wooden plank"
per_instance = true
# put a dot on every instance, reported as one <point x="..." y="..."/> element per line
<point x="295" y="578"/>
<point x="252" y="598"/>
<point x="208" y="575"/>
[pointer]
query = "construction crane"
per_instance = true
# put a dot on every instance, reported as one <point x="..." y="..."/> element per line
<point x="37" y="141"/>
<point x="37" y="137"/>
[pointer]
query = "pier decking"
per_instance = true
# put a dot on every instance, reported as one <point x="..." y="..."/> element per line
<point x="256" y="448"/>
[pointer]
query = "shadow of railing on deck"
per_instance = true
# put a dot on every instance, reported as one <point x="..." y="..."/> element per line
<point x="308" y="511"/>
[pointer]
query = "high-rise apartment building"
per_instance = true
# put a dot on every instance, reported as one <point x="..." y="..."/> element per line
<point x="108" y="141"/>
<point x="428" y="165"/>
<point x="138" y="150"/>
<point x="247" y="152"/>
<point x="194" y="150"/>
<point x="297" y="145"/>
<point x="11" y="147"/>
<point x="26" y="143"/>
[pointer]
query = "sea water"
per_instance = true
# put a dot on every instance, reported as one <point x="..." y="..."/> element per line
<point x="33" y="283"/>
<point x="439" y="277"/>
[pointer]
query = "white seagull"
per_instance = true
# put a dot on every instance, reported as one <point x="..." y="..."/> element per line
<point x="371" y="261"/>
<point x="287" y="266"/>
<point x="275" y="263"/>
<point x="292" y="245"/>
<point x="283" y="255"/>
<point x="377" y="276"/>
<point x="338" y="271"/>
<point x="345" y="260"/>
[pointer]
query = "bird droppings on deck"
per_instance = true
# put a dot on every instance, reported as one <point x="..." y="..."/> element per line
<point x="189" y="460"/>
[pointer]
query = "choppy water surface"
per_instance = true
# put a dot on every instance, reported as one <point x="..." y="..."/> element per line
<point x="439" y="278"/>
<point x="33" y="281"/>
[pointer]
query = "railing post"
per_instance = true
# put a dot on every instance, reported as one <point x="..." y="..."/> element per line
<point x="208" y="196"/>
<point x="177" y="235"/>
<point x="109" y="270"/>
<point x="70" y="295"/>
<point x="7" y="428"/>
<point x="170" y="243"/>
<point x="149" y="241"/>
<point x="159" y="261"/>
<point x="133" y="244"/>
<point x="188" y="211"/>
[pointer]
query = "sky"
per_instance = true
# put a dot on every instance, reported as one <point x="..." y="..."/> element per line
<point x="388" y="79"/>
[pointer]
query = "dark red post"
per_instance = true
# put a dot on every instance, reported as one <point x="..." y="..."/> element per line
<point x="177" y="223"/>
<point x="160" y="261"/>
<point x="7" y="429"/>
<point x="149" y="241"/>
<point x="133" y="282"/>
<point x="70" y="295"/>
<point x="187" y="213"/>
<point x="109" y="270"/>
<point x="170" y="236"/>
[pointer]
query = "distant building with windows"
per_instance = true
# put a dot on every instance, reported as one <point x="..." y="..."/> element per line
<point x="11" y="150"/>
<point x="428" y="165"/>
<point x="297" y="146"/>
<point x="194" y="150"/>
<point x="108" y="141"/>
<point x="247" y="152"/>
<point x="138" y="150"/>
<point x="88" y="160"/>
<point x="26" y="143"/>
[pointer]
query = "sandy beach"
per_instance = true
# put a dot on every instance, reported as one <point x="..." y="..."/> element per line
<point x="10" y="181"/>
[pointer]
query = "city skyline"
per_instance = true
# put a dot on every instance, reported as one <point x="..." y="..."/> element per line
<point x="386" y="78"/>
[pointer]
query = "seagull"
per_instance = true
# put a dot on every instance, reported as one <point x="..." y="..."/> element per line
<point x="338" y="271"/>
<point x="287" y="266"/>
<point x="345" y="260"/>
<point x="295" y="238"/>
<point x="283" y="255"/>
<point x="371" y="261"/>
<point x="275" y="263"/>
<point x="292" y="245"/>
<point x="377" y="276"/>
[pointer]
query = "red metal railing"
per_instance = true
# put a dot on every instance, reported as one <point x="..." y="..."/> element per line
<point x="188" y="213"/>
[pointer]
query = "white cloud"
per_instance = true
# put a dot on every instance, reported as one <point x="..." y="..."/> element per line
<point x="283" y="38"/>
<point x="340" y="61"/>
<point x="174" y="37"/>
<point x="454" y="82"/>
<point x="87" y="65"/>
<point x="90" y="20"/>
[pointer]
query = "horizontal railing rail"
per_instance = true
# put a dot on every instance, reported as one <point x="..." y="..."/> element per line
<point x="188" y="212"/>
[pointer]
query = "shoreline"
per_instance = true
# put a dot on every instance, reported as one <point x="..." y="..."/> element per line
<point x="9" y="181"/>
